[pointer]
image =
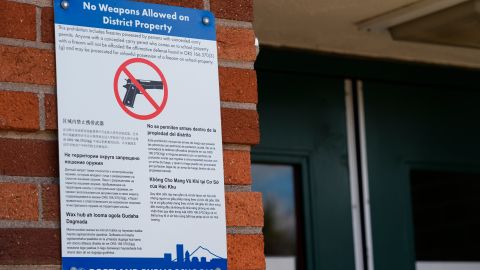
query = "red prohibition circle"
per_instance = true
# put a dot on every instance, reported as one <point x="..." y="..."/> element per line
<point x="158" y="108"/>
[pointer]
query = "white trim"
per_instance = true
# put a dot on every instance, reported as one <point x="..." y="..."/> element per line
<point x="353" y="172"/>
<point x="365" y="183"/>
<point x="447" y="265"/>
<point x="405" y="14"/>
<point x="280" y="262"/>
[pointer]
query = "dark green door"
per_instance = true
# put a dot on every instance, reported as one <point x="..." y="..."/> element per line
<point x="415" y="156"/>
<point x="303" y="124"/>
<point x="422" y="148"/>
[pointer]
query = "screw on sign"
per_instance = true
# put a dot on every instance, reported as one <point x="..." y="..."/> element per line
<point x="135" y="86"/>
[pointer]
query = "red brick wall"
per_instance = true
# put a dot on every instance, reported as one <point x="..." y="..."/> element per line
<point x="29" y="200"/>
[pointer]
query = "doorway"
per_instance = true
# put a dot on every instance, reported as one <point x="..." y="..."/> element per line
<point x="385" y="159"/>
<point x="423" y="175"/>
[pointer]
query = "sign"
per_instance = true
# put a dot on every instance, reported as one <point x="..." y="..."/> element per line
<point x="141" y="176"/>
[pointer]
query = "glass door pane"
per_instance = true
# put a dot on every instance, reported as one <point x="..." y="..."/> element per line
<point x="278" y="186"/>
<point x="446" y="221"/>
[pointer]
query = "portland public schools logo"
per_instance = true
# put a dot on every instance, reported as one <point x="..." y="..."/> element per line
<point x="140" y="88"/>
<point x="199" y="258"/>
<point x="181" y="258"/>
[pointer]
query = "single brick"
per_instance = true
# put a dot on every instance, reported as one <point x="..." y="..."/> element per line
<point x="29" y="246"/>
<point x="240" y="126"/>
<point x="239" y="10"/>
<point x="244" y="209"/>
<point x="27" y="65"/>
<point x="19" y="110"/>
<point x="50" y="112"/>
<point x="245" y="252"/>
<point x="236" y="166"/>
<point x="238" y="85"/>
<point x="28" y="157"/>
<point x="198" y="4"/>
<point x="18" y="20"/>
<point x="236" y="44"/>
<point x="51" y="202"/>
<point x="47" y="25"/>
<point x="18" y="201"/>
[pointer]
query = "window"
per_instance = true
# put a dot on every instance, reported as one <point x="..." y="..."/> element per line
<point x="445" y="215"/>
<point x="279" y="187"/>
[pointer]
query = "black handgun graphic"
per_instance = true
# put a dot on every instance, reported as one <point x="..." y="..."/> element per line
<point x="133" y="91"/>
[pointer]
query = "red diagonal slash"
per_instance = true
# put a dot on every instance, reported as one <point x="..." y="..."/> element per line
<point x="140" y="87"/>
<point x="123" y="69"/>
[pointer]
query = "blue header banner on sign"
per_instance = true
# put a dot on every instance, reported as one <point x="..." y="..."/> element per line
<point x="137" y="17"/>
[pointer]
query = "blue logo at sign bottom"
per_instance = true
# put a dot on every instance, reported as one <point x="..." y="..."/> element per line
<point x="200" y="258"/>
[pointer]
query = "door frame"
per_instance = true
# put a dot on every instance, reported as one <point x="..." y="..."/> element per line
<point x="301" y="160"/>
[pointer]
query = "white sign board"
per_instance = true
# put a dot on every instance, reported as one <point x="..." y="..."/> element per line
<point x="140" y="142"/>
